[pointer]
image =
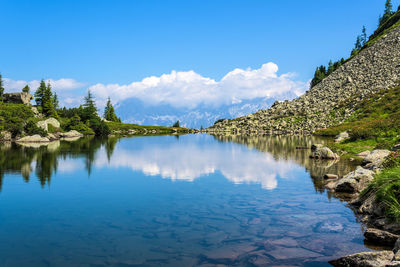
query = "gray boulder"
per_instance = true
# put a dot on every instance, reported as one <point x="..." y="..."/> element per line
<point x="5" y="136"/>
<point x="341" y="137"/>
<point x="34" y="139"/>
<point x="365" y="259"/>
<point x="363" y="154"/>
<point x="18" y="98"/>
<point x="53" y="122"/>
<point x="355" y="181"/>
<point x="45" y="124"/>
<point x="321" y="152"/>
<point x="375" y="158"/>
<point x="379" y="237"/>
<point x="70" y="134"/>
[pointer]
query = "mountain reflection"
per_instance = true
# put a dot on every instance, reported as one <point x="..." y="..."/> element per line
<point x="259" y="160"/>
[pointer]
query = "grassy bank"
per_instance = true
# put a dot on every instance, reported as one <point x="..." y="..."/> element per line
<point x="119" y="128"/>
<point x="375" y="124"/>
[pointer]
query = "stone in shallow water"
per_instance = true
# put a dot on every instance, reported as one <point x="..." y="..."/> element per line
<point x="286" y="242"/>
<point x="380" y="237"/>
<point x="292" y="253"/>
<point x="327" y="227"/>
<point x="229" y="253"/>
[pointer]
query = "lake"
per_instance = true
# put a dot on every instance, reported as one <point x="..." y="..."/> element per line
<point x="190" y="200"/>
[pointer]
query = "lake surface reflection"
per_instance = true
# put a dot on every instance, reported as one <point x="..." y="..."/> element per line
<point x="193" y="200"/>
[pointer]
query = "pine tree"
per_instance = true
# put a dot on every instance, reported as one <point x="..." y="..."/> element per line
<point x="54" y="100"/>
<point x="387" y="13"/>
<point x="39" y="93"/>
<point x="319" y="75"/>
<point x="358" y="45"/>
<point x="176" y="124"/>
<point x="109" y="112"/>
<point x="331" y="67"/>
<point x="26" y="89"/>
<point x="47" y="103"/>
<point x="363" y="36"/>
<point x="1" y="87"/>
<point x="89" y="108"/>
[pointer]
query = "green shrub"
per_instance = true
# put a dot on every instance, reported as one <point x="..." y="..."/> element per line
<point x="82" y="128"/>
<point x="52" y="129"/>
<point x="99" y="127"/>
<point x="31" y="129"/>
<point x="76" y="124"/>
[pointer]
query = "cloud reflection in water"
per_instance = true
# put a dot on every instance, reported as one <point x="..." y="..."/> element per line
<point x="190" y="161"/>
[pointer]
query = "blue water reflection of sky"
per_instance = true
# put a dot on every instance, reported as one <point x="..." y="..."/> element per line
<point x="189" y="158"/>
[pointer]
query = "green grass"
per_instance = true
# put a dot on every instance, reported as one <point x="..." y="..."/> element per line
<point x="355" y="147"/>
<point x="142" y="129"/>
<point x="376" y="117"/>
<point x="386" y="187"/>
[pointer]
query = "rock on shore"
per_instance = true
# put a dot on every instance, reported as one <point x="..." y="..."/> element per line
<point x="365" y="259"/>
<point x="34" y="139"/>
<point x="322" y="152"/>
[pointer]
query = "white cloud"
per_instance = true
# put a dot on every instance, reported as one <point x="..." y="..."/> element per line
<point x="181" y="89"/>
<point x="189" y="89"/>
<point x="58" y="85"/>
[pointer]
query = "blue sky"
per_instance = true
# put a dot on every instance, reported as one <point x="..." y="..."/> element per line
<point x="122" y="42"/>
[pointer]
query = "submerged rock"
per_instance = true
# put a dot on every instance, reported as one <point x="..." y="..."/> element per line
<point x="329" y="176"/>
<point x="379" y="237"/>
<point x="365" y="259"/>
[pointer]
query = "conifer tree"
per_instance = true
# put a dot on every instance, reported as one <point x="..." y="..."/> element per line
<point x="363" y="36"/>
<point x="331" y="67"/>
<point x="39" y="93"/>
<point x="54" y="100"/>
<point x="26" y="89"/>
<point x="109" y="112"/>
<point x="89" y="108"/>
<point x="47" y="103"/>
<point x="387" y="13"/>
<point x="176" y="124"/>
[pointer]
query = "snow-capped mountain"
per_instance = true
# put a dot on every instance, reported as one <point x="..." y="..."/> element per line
<point x="135" y="111"/>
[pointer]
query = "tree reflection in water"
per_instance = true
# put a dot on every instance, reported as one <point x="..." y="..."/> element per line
<point x="43" y="158"/>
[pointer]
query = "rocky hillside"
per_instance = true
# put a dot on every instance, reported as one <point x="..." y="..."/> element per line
<point x="328" y="103"/>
